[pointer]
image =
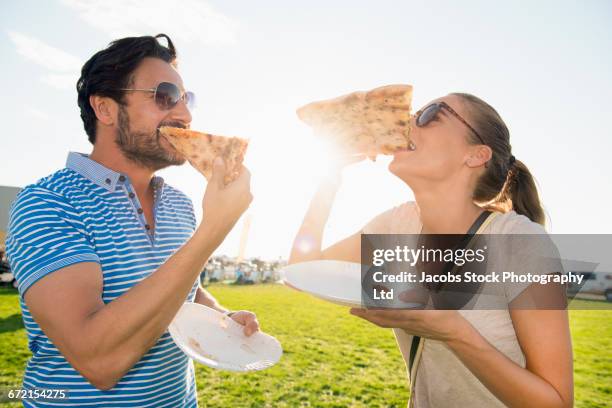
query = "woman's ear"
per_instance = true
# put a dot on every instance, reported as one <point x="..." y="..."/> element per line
<point x="106" y="109"/>
<point x="479" y="156"/>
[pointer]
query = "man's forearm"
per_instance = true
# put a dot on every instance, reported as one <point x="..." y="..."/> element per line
<point x="126" y="328"/>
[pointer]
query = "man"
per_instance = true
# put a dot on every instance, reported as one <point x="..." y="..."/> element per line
<point x="105" y="253"/>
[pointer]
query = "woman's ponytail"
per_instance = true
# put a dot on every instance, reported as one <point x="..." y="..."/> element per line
<point x="506" y="184"/>
<point x="523" y="193"/>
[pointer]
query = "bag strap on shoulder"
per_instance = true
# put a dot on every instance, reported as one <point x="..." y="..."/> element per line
<point x="479" y="224"/>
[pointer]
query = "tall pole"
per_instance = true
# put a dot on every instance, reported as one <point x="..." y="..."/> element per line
<point x="244" y="237"/>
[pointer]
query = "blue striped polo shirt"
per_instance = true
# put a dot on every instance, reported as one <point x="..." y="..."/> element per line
<point x="89" y="213"/>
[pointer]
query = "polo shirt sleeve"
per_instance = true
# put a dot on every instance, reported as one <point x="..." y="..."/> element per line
<point x="45" y="234"/>
<point x="192" y="217"/>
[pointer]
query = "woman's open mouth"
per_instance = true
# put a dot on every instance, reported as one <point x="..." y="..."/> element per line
<point x="410" y="148"/>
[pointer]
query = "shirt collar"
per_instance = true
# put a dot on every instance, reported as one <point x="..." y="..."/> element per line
<point x="100" y="175"/>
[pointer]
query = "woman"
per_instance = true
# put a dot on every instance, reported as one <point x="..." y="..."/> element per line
<point x="458" y="164"/>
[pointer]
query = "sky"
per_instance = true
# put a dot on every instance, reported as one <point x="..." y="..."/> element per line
<point x="545" y="66"/>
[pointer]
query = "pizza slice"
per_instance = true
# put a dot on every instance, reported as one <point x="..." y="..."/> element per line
<point x="371" y="123"/>
<point x="200" y="149"/>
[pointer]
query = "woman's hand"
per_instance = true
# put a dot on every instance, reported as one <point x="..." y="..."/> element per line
<point x="442" y="325"/>
<point x="340" y="162"/>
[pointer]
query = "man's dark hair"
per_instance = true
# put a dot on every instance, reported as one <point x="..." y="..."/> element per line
<point x="111" y="69"/>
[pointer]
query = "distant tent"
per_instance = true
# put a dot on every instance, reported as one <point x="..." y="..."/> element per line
<point x="7" y="196"/>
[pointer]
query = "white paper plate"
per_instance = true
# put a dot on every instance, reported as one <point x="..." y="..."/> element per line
<point x="215" y="340"/>
<point x="334" y="281"/>
<point x="338" y="282"/>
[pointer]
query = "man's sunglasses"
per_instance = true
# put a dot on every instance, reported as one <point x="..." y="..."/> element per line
<point x="167" y="95"/>
<point x="428" y="113"/>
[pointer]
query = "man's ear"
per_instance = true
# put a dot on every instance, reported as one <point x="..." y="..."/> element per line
<point x="106" y="109"/>
<point x="479" y="156"/>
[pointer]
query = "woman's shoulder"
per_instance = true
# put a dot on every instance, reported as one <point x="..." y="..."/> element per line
<point x="408" y="208"/>
<point x="400" y="219"/>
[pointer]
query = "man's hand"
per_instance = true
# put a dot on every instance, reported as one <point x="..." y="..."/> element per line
<point x="246" y="319"/>
<point x="224" y="204"/>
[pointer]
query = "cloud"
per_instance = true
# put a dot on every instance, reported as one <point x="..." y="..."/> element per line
<point x="64" y="67"/>
<point x="188" y="20"/>
<point x="43" y="54"/>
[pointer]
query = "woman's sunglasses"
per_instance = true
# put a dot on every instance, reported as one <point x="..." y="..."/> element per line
<point x="428" y="113"/>
<point x="167" y="95"/>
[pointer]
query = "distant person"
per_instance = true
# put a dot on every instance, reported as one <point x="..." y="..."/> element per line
<point x="239" y="275"/>
<point x="4" y="266"/>
<point x="6" y="277"/>
<point x="105" y="252"/>
<point x="460" y="165"/>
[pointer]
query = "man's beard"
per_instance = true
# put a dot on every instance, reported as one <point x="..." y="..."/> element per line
<point x="144" y="148"/>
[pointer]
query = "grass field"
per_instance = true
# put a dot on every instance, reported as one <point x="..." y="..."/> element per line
<point x="331" y="359"/>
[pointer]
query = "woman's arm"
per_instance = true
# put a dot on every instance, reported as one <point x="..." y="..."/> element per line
<point x="544" y="337"/>
<point x="540" y="321"/>
<point x="547" y="380"/>
<point x="308" y="241"/>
